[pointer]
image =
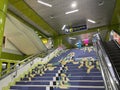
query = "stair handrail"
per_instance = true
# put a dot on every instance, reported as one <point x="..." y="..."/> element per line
<point x="113" y="67"/>
<point x="110" y="80"/>
<point x="23" y="62"/>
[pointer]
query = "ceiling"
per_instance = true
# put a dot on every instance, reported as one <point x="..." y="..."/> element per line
<point x="50" y="20"/>
<point x="97" y="10"/>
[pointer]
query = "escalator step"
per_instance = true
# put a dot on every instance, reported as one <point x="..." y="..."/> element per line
<point x="117" y="65"/>
<point x="116" y="61"/>
<point x="109" y="50"/>
<point x="115" y="58"/>
<point x="112" y="51"/>
<point x="113" y="54"/>
<point x="109" y="46"/>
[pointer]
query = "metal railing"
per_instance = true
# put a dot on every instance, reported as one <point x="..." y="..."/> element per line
<point x="108" y="73"/>
<point x="20" y="64"/>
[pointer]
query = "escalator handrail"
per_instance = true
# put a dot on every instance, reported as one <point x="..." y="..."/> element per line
<point x="103" y="50"/>
<point x="112" y="65"/>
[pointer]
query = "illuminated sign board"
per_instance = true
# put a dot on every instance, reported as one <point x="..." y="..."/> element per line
<point x="79" y="28"/>
<point x="76" y="29"/>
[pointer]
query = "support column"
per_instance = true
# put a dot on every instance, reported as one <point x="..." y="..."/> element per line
<point x="0" y="68"/>
<point x="57" y="41"/>
<point x="3" y="11"/>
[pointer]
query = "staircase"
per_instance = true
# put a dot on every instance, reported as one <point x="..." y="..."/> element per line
<point x="78" y="79"/>
<point x="114" y="53"/>
<point x="61" y="77"/>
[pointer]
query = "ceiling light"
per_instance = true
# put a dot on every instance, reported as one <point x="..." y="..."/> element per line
<point x="89" y="20"/>
<point x="46" y="4"/>
<point x="51" y="17"/>
<point x="63" y="27"/>
<point x="72" y="11"/>
<point x="66" y="30"/>
<point x="73" y="5"/>
<point x="40" y="36"/>
<point x="4" y="64"/>
<point x="72" y="38"/>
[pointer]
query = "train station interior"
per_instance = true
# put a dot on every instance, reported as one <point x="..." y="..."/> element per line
<point x="59" y="44"/>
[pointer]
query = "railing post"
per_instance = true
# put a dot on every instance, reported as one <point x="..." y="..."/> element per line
<point x="3" y="11"/>
<point x="8" y="67"/>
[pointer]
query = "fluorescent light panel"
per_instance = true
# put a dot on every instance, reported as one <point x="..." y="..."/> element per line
<point x="63" y="27"/>
<point x="4" y="64"/>
<point x="72" y="38"/>
<point x="72" y="11"/>
<point x="89" y="20"/>
<point x="46" y="4"/>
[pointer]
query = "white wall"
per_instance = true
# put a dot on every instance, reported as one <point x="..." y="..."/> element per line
<point x="10" y="48"/>
<point x="22" y="36"/>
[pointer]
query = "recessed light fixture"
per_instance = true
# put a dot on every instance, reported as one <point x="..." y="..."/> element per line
<point x="74" y="4"/>
<point x="44" y="3"/>
<point x="51" y="16"/>
<point x="101" y="3"/>
<point x="63" y="27"/>
<point x="69" y="12"/>
<point x="89" y="20"/>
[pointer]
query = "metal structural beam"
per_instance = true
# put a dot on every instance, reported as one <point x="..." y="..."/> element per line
<point x="3" y="10"/>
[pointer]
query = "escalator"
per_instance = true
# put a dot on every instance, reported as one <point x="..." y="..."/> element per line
<point x="113" y="52"/>
<point x="109" y="55"/>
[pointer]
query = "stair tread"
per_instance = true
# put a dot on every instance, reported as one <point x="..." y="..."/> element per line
<point x="92" y="86"/>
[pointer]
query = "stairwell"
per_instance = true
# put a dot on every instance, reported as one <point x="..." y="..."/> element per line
<point x="63" y="75"/>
